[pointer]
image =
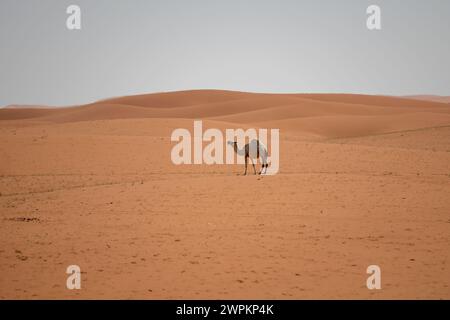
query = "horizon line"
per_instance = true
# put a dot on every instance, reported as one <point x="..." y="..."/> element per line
<point x="51" y="106"/>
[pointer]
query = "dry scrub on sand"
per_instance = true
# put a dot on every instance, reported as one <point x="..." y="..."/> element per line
<point x="363" y="180"/>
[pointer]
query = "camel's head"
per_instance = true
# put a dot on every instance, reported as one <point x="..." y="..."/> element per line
<point x="232" y="143"/>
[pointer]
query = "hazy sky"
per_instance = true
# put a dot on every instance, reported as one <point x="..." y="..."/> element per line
<point x="141" y="46"/>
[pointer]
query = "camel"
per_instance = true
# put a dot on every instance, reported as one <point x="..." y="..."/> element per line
<point x="252" y="150"/>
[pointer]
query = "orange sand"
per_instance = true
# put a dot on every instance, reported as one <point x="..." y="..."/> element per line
<point x="363" y="180"/>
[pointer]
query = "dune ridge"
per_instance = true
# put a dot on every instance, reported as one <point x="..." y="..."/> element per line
<point x="328" y="114"/>
<point x="434" y="98"/>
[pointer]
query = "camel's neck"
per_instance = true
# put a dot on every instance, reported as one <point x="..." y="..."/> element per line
<point x="240" y="152"/>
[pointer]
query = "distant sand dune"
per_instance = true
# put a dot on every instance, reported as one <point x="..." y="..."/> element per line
<point x="442" y="99"/>
<point x="326" y="115"/>
<point x="179" y="98"/>
<point x="386" y="101"/>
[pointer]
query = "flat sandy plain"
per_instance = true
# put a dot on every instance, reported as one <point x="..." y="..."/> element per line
<point x="363" y="180"/>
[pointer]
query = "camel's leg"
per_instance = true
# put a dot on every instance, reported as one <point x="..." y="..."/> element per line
<point x="253" y="164"/>
<point x="246" y="161"/>
<point x="262" y="167"/>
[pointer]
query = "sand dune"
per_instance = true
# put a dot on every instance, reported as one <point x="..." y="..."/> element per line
<point x="179" y="98"/>
<point x="372" y="100"/>
<point x="24" y="106"/>
<point x="341" y="126"/>
<point x="15" y="114"/>
<point x="340" y="113"/>
<point x="442" y="99"/>
<point x="363" y="180"/>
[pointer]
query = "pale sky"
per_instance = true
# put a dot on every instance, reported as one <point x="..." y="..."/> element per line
<point x="143" y="46"/>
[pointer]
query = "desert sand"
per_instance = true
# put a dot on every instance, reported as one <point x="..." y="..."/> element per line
<point x="443" y="99"/>
<point x="363" y="180"/>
